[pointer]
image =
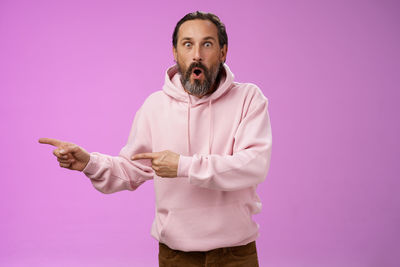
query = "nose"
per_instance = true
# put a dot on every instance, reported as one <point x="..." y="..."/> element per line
<point x="197" y="54"/>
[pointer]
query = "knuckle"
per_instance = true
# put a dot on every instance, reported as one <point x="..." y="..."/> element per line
<point x="64" y="165"/>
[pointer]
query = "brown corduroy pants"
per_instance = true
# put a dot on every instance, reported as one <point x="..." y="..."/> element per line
<point x="245" y="255"/>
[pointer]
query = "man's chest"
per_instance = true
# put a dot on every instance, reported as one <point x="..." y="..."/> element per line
<point x="201" y="129"/>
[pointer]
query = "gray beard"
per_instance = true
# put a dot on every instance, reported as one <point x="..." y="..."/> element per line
<point x="198" y="88"/>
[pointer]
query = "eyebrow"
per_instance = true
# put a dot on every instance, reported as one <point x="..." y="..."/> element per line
<point x="209" y="38"/>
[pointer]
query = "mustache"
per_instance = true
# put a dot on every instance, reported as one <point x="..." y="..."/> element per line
<point x="197" y="65"/>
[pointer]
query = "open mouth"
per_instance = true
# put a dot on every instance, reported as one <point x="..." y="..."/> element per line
<point x="197" y="72"/>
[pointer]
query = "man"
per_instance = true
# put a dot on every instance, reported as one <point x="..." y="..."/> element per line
<point x="206" y="142"/>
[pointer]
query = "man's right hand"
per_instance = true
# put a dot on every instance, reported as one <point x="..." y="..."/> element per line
<point x="69" y="155"/>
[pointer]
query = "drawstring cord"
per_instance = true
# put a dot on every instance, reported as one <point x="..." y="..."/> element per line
<point x="210" y="132"/>
<point x="188" y="126"/>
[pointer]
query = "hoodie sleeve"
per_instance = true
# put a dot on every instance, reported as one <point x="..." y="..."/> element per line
<point x="110" y="174"/>
<point x="249" y="164"/>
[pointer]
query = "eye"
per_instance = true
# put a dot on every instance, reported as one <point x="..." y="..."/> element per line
<point x="207" y="44"/>
<point x="187" y="44"/>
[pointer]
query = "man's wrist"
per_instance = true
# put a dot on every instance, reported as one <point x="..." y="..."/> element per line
<point x="184" y="165"/>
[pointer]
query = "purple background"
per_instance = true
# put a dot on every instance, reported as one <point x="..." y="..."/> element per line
<point x="79" y="70"/>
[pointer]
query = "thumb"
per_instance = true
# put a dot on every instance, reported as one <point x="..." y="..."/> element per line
<point x="69" y="149"/>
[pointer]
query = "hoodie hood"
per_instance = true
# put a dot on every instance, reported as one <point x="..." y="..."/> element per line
<point x="173" y="88"/>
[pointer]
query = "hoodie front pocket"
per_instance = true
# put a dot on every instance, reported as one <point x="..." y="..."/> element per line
<point x="207" y="226"/>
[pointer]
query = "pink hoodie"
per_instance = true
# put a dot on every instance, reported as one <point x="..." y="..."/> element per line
<point x="224" y="141"/>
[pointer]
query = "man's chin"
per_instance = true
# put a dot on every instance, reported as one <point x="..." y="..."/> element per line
<point x="197" y="83"/>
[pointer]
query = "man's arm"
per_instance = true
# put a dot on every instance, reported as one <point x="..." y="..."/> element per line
<point x="109" y="174"/>
<point x="248" y="166"/>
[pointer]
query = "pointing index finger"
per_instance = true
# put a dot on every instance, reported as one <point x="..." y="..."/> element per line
<point x="50" y="141"/>
<point x="144" y="156"/>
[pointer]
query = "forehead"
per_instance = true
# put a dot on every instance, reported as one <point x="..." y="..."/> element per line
<point x="197" y="28"/>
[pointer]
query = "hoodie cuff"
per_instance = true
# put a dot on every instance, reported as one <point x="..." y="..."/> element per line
<point x="92" y="165"/>
<point x="184" y="166"/>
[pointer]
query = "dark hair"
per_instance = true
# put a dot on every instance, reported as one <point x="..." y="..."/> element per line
<point x="222" y="36"/>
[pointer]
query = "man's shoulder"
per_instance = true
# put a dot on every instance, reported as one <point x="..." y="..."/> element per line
<point x="246" y="86"/>
<point x="154" y="98"/>
<point x="249" y="91"/>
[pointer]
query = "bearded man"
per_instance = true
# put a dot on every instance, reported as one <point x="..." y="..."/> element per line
<point x="205" y="140"/>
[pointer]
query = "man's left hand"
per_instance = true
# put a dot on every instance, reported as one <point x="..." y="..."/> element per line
<point x="164" y="163"/>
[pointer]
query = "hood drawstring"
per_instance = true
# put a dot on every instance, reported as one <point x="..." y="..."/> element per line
<point x="210" y="133"/>
<point x="188" y="125"/>
<point x="210" y="128"/>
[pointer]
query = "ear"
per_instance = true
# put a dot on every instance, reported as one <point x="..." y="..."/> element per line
<point x="224" y="51"/>
<point x="175" y="53"/>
